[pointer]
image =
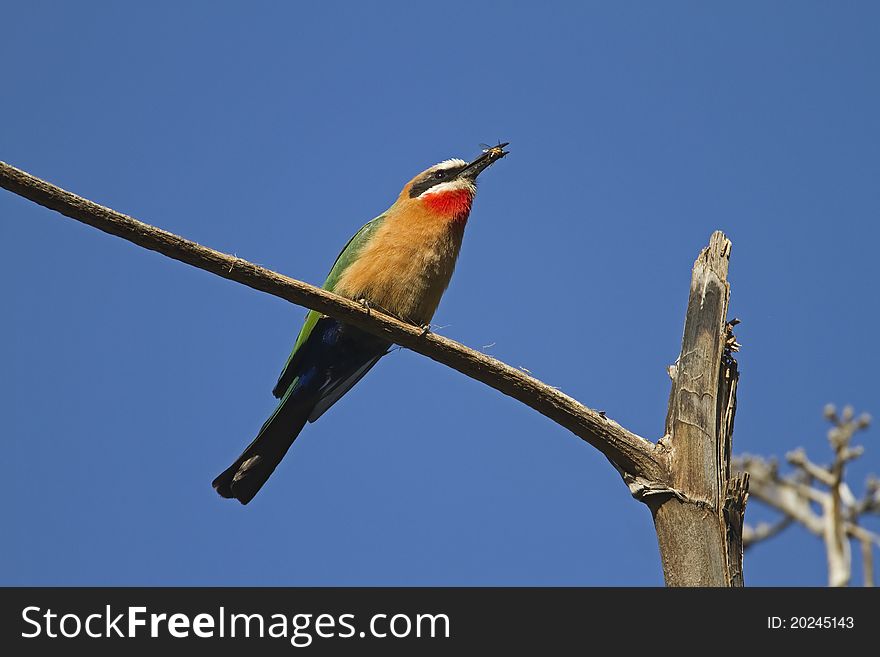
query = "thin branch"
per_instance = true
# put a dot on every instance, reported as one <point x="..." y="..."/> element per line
<point x="764" y="530"/>
<point x="861" y="534"/>
<point x="837" y="543"/>
<point x="790" y="497"/>
<point x="871" y="502"/>
<point x="867" y="564"/>
<point x="798" y="458"/>
<point x="795" y="495"/>
<point x="637" y="458"/>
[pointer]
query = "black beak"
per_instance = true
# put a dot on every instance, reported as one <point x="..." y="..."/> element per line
<point x="489" y="156"/>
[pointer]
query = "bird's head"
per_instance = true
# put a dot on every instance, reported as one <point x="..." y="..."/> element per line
<point x="447" y="189"/>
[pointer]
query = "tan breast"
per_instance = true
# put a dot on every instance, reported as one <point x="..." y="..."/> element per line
<point x="406" y="267"/>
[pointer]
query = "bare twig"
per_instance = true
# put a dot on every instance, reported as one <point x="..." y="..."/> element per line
<point x="870" y="503"/>
<point x="796" y="496"/>
<point x="639" y="460"/>
<point x="862" y="534"/>
<point x="799" y="459"/>
<point x="764" y="530"/>
<point x="784" y="494"/>
<point x="867" y="563"/>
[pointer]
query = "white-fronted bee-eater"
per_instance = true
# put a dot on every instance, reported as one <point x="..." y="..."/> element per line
<point x="401" y="263"/>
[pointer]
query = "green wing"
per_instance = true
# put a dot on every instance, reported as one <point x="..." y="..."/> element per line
<point x="346" y="257"/>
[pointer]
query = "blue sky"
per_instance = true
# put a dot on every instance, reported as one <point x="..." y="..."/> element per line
<point x="274" y="130"/>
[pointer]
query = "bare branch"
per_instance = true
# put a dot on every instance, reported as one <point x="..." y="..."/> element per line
<point x="794" y="496"/>
<point x="790" y="497"/>
<point x="837" y="547"/>
<point x="799" y="459"/>
<point x="867" y="563"/>
<point x="862" y="534"/>
<point x="764" y="530"/>
<point x="871" y="502"/>
<point x="867" y="540"/>
<point x="638" y="458"/>
<point x="841" y="499"/>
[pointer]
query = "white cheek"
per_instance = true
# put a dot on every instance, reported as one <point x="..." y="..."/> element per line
<point x="452" y="186"/>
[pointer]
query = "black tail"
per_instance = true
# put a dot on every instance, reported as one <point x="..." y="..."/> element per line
<point x="244" y="478"/>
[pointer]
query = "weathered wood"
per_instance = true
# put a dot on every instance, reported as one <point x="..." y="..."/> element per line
<point x="734" y="515"/>
<point x="692" y="526"/>
<point x="737" y="487"/>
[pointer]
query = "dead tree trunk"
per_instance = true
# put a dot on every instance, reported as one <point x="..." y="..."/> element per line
<point x="699" y="523"/>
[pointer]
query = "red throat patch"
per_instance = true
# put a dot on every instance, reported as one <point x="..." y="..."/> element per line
<point x="454" y="204"/>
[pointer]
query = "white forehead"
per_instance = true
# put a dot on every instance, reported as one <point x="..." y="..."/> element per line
<point x="448" y="164"/>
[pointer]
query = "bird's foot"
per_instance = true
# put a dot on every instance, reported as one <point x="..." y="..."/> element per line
<point x="426" y="328"/>
<point x="366" y="304"/>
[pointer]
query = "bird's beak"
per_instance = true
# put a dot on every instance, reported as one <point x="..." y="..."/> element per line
<point x="488" y="157"/>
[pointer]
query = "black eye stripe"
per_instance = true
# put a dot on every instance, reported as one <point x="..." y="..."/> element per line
<point x="430" y="179"/>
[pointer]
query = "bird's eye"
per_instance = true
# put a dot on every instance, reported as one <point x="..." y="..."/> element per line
<point x="439" y="175"/>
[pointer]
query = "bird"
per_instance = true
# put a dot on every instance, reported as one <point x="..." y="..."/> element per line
<point x="400" y="263"/>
